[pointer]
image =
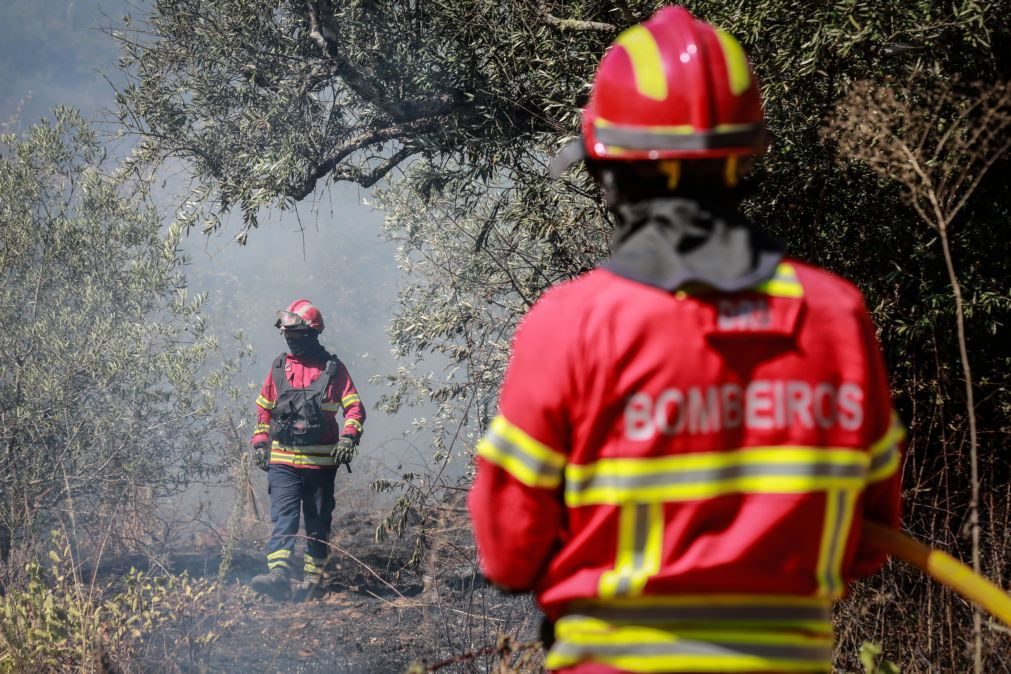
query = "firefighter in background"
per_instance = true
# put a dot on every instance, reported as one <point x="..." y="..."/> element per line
<point x="689" y="436"/>
<point x="299" y="441"/>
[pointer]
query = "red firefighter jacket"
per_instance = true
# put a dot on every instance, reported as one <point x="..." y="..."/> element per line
<point x="341" y="395"/>
<point x="681" y="477"/>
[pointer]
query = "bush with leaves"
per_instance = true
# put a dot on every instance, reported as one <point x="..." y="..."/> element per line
<point x="110" y="386"/>
<point x="62" y="621"/>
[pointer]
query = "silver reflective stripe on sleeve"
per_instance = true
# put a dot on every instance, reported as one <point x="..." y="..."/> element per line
<point x="529" y="461"/>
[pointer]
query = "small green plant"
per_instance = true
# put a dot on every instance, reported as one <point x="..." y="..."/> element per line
<point x="55" y="622"/>
<point x="873" y="662"/>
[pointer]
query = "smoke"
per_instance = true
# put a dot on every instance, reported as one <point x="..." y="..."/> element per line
<point x="330" y="251"/>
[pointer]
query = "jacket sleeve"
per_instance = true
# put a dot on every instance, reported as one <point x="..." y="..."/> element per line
<point x="354" y="410"/>
<point x="516" y="501"/>
<point x="882" y="497"/>
<point x="264" y="407"/>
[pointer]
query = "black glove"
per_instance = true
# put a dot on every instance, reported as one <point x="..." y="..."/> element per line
<point x="345" y="449"/>
<point x="261" y="455"/>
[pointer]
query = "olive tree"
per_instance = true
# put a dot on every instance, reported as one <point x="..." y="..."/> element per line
<point x="109" y="384"/>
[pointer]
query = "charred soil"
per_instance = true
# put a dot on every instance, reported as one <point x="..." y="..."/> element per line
<point x="375" y="613"/>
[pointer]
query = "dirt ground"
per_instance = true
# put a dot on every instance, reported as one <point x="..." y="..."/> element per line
<point x="374" y="615"/>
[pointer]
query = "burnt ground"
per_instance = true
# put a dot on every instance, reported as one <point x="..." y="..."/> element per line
<point x="376" y="614"/>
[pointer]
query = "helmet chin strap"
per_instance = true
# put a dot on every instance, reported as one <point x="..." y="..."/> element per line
<point x="668" y="242"/>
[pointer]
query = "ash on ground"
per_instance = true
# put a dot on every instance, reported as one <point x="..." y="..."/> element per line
<point x="376" y="612"/>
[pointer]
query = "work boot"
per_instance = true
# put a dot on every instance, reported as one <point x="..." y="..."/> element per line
<point x="306" y="590"/>
<point x="275" y="584"/>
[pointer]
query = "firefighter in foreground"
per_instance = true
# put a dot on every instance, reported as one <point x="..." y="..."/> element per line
<point x="301" y="444"/>
<point x="689" y="436"/>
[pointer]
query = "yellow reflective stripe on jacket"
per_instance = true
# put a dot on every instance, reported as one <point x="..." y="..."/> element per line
<point x="529" y="461"/>
<point x="835" y="530"/>
<point x="264" y="403"/>
<point x="354" y="423"/>
<point x="651" y="648"/>
<point x="780" y="612"/>
<point x="350" y="399"/>
<point x="640" y="546"/>
<point x="261" y="428"/>
<point x="302" y="455"/>
<point x="330" y="407"/>
<point x="784" y="284"/>
<point x="760" y="470"/>
<point x="885" y="452"/>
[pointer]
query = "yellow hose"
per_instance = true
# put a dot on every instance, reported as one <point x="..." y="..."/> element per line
<point x="942" y="567"/>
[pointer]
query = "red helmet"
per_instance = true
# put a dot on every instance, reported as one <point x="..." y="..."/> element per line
<point x="300" y="315"/>
<point x="673" y="87"/>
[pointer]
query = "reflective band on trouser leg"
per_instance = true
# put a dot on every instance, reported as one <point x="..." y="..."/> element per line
<point x="839" y="506"/>
<point x="529" y="461"/>
<point x="640" y="542"/>
<point x="753" y="470"/>
<point x="280" y="558"/>
<point x="313" y="566"/>
<point x="653" y="648"/>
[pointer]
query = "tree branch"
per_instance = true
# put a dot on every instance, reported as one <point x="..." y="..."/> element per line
<point x="370" y="178"/>
<point x="323" y="31"/>
<point x="410" y="129"/>
<point x="577" y="25"/>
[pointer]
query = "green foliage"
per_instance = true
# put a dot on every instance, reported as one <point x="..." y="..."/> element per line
<point x="469" y="98"/>
<point x="873" y="663"/>
<point x="267" y="100"/>
<point x="110" y="389"/>
<point x="55" y="622"/>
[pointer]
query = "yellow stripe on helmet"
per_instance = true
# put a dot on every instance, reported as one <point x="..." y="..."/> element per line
<point x="738" y="73"/>
<point x="647" y="65"/>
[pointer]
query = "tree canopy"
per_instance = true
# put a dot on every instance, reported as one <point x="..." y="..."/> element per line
<point x="108" y="392"/>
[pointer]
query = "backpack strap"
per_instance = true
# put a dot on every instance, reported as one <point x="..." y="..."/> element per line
<point x="323" y="381"/>
<point x="277" y="372"/>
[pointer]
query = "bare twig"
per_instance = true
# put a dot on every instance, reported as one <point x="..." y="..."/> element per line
<point x="957" y="141"/>
<point x="578" y="25"/>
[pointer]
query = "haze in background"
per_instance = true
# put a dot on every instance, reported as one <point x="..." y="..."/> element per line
<point x="330" y="252"/>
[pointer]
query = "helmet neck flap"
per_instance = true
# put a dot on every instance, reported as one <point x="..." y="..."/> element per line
<point x="670" y="241"/>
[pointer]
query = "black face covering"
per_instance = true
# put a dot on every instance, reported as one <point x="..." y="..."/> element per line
<point x="303" y="342"/>
<point x="669" y="241"/>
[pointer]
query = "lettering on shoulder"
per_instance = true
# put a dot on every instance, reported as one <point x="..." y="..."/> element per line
<point x="743" y="315"/>
<point x="762" y="405"/>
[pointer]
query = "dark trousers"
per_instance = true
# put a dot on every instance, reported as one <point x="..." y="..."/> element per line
<point x="308" y="490"/>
